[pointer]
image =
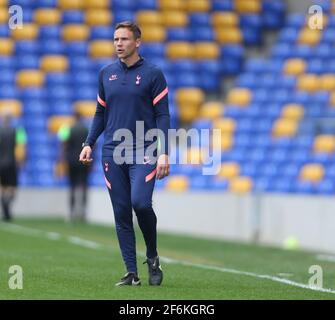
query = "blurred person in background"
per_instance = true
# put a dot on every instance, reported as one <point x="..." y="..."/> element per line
<point x="12" y="156"/>
<point x="72" y="138"/>
<point x="132" y="90"/>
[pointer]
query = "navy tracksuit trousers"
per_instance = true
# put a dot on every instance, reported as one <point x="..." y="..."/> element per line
<point x="130" y="187"/>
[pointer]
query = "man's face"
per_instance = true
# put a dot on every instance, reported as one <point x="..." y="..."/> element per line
<point x="125" y="43"/>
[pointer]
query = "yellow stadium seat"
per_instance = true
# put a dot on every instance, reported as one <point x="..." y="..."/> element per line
<point x="231" y="35"/>
<point x="29" y="78"/>
<point x="177" y="183"/>
<point x="311" y="172"/>
<point x="98" y="17"/>
<point x="149" y="17"/>
<point x="327" y="82"/>
<point x="86" y="108"/>
<point x="241" y="185"/>
<point x="294" y="66"/>
<point x="331" y="99"/>
<point x="175" y="5"/>
<point x="206" y="50"/>
<point x="29" y="31"/>
<point x="156" y="34"/>
<point x="6" y="47"/>
<point x="239" y="97"/>
<point x="56" y="122"/>
<point x="248" y="6"/>
<point x="293" y="111"/>
<point x="308" y="82"/>
<point x="190" y="96"/>
<point x="71" y="5"/>
<point x="75" y="32"/>
<point x="229" y="170"/>
<point x="187" y="115"/>
<point x="211" y="110"/>
<point x="309" y="36"/>
<point x="179" y="50"/>
<point x="101" y="49"/>
<point x="222" y="141"/>
<point x="226" y="125"/>
<point x="54" y="63"/>
<point x="222" y="19"/>
<point x="174" y="19"/>
<point x="198" y="5"/>
<point x="3" y="3"/>
<point x="284" y="128"/>
<point x="12" y="107"/>
<point x="47" y="16"/>
<point x="193" y="156"/>
<point x="96" y="4"/>
<point x="4" y="15"/>
<point x="324" y="144"/>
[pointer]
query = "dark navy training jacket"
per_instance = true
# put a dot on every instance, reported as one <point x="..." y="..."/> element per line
<point x="126" y="95"/>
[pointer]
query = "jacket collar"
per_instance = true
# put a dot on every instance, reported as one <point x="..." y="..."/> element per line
<point x="135" y="65"/>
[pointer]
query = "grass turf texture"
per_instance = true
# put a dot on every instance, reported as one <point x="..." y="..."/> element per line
<point x="59" y="269"/>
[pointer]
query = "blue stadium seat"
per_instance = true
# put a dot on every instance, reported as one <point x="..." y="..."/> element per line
<point x="200" y="182"/>
<point x="147" y="4"/>
<point x="34" y="123"/>
<point x="4" y="31"/>
<point x="35" y="106"/>
<point x="199" y="20"/>
<point x="7" y="62"/>
<point x="151" y="50"/>
<point x="295" y="20"/>
<point x="83" y="78"/>
<point x="218" y="184"/>
<point x="32" y="93"/>
<point x="251" y="36"/>
<point x="202" y="33"/>
<point x="57" y="78"/>
<point x="187" y="79"/>
<point x="22" y="3"/>
<point x="45" y="3"/>
<point x="124" y="5"/>
<point x="60" y="92"/>
<point x="80" y="63"/>
<point x="326" y="186"/>
<point x="7" y="76"/>
<point x="60" y="106"/>
<point x="102" y="32"/>
<point x="262" y="184"/>
<point x="8" y="92"/>
<point x="290" y="170"/>
<point x="185" y="65"/>
<point x="27" y="47"/>
<point x="178" y="34"/>
<point x="238" y="154"/>
<point x="283" y="185"/>
<point x="222" y="5"/>
<point x="288" y="35"/>
<point x="27" y="61"/>
<point x="50" y="32"/>
<point x="305" y="187"/>
<point x="52" y="47"/>
<point x="85" y="93"/>
<point x="273" y="14"/>
<point x="123" y="15"/>
<point x="242" y="139"/>
<point x="73" y="16"/>
<point x="77" y="48"/>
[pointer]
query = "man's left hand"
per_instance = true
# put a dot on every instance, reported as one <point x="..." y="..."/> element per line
<point x="163" y="167"/>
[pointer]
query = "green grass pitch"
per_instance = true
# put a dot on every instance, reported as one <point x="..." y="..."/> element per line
<point x="63" y="261"/>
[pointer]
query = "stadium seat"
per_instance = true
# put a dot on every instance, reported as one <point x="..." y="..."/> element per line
<point x="149" y="18"/>
<point x="308" y="82"/>
<point x="248" y="6"/>
<point x="54" y="63"/>
<point x="73" y="17"/>
<point x="179" y="50"/>
<point x="206" y="50"/>
<point x="47" y="16"/>
<point x="177" y="183"/>
<point x="30" y="78"/>
<point x="229" y="35"/>
<point x="222" y="141"/>
<point x="294" y="67"/>
<point x="309" y="37"/>
<point x="14" y="107"/>
<point x="284" y="128"/>
<point x="98" y="17"/>
<point x="239" y="97"/>
<point x="85" y="108"/>
<point x="327" y="82"/>
<point x="172" y="5"/>
<point x="174" y="19"/>
<point x="224" y="19"/>
<point x="240" y="185"/>
<point x="157" y="34"/>
<point x="324" y="144"/>
<point x="311" y="173"/>
<point x="55" y="122"/>
<point x="49" y="32"/>
<point x="293" y="111"/>
<point x="211" y="110"/>
<point x="193" y="156"/>
<point x="6" y="47"/>
<point x="4" y="15"/>
<point x="75" y="32"/>
<point x="229" y="170"/>
<point x="73" y="4"/>
<point x="198" y="6"/>
<point x="226" y="125"/>
<point x="94" y="4"/>
<point x="29" y="31"/>
<point x="101" y="49"/>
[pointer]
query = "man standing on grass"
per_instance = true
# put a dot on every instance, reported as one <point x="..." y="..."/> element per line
<point x="132" y="91"/>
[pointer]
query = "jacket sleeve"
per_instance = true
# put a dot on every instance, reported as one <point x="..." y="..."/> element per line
<point x="98" y="125"/>
<point x="160" y="103"/>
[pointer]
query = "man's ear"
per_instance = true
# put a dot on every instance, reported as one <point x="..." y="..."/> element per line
<point x="138" y="43"/>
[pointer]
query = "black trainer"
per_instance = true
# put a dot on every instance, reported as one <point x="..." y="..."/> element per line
<point x="129" y="279"/>
<point x="155" y="271"/>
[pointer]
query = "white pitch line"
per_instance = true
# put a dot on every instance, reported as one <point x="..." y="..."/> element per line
<point x="94" y="245"/>
<point x="325" y="257"/>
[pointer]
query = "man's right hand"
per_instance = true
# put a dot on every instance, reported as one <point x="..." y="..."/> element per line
<point x="85" y="155"/>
